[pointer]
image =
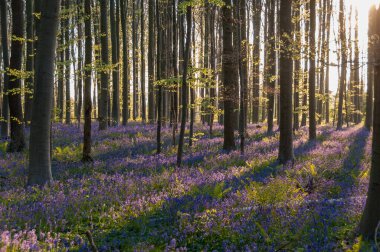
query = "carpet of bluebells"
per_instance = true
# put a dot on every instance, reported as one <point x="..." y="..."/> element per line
<point x="133" y="200"/>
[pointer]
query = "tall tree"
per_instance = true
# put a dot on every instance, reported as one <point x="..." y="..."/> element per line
<point x="297" y="62"/>
<point x="151" y="52"/>
<point x="371" y="215"/>
<point x="312" y="73"/>
<point x="124" y="29"/>
<point x="86" y="157"/>
<point x="184" y="86"/>
<point x="370" y="69"/>
<point x="80" y="62"/>
<point x="271" y="64"/>
<point x="327" y="52"/>
<point x="134" y="61"/>
<point x="286" y="78"/>
<point x="67" y="61"/>
<point x="257" y="8"/>
<point x="158" y="76"/>
<point x="4" y="44"/>
<point x="342" y="82"/>
<point x="39" y="152"/>
<point x="17" y="143"/>
<point x="142" y="52"/>
<point x="103" y="103"/>
<point x="29" y="62"/>
<point x="115" y="68"/>
<point x="228" y="73"/>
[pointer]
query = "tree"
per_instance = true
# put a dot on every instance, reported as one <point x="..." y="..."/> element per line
<point x="86" y="157"/>
<point x="103" y="103"/>
<point x="297" y="63"/>
<point x="115" y="68"/>
<point x="4" y="43"/>
<point x="67" y="62"/>
<point x="39" y="153"/>
<point x="286" y="78"/>
<point x="228" y="73"/>
<point x="271" y="64"/>
<point x="142" y="51"/>
<point x="342" y="82"/>
<point x="312" y="74"/>
<point x="134" y="62"/>
<point x="17" y="142"/>
<point x="184" y="86"/>
<point x="371" y="215"/>
<point x="151" y="111"/>
<point x="370" y="69"/>
<point x="124" y="14"/>
<point x="257" y="7"/>
<point x="29" y="62"/>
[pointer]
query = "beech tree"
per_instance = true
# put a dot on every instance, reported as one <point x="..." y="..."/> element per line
<point x="39" y="172"/>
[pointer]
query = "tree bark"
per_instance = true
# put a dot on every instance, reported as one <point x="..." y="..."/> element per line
<point x="4" y="43"/>
<point x="103" y="103"/>
<point x="342" y="82"/>
<point x="286" y="78"/>
<point x="370" y="69"/>
<point x="39" y="153"/>
<point x="228" y="73"/>
<point x="86" y="157"/>
<point x="124" y="15"/>
<point x="115" y="68"/>
<point x="29" y="62"/>
<point x="17" y="142"/>
<point x="184" y="86"/>
<point x="271" y="65"/>
<point x="312" y="74"/>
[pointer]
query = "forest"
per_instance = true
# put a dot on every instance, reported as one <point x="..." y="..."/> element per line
<point x="189" y="125"/>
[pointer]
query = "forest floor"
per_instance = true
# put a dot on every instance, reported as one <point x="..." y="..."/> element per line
<point x="131" y="199"/>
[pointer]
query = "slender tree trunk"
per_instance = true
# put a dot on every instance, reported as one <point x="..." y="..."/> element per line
<point x="87" y="84"/>
<point x="134" y="62"/>
<point x="115" y="68"/>
<point x="327" y="48"/>
<point x="305" y="77"/>
<point x="286" y="76"/>
<point x="229" y="82"/>
<point x="17" y="142"/>
<point x="4" y="43"/>
<point x="158" y="76"/>
<point x="40" y="132"/>
<point x="151" y="52"/>
<point x="257" y="8"/>
<point x="271" y="64"/>
<point x="29" y="62"/>
<point x="342" y="82"/>
<point x="297" y="64"/>
<point x="124" y="15"/>
<point x="184" y="86"/>
<point x="67" y="64"/>
<point x="80" y="62"/>
<point x="142" y="42"/>
<point x="370" y="69"/>
<point x="312" y="73"/>
<point x="103" y="103"/>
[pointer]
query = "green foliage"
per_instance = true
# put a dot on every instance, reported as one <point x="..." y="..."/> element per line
<point x="68" y="153"/>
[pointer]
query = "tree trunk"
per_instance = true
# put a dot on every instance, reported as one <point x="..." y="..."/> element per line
<point x="312" y="74"/>
<point x="142" y="45"/>
<point x="134" y="62"/>
<point x="4" y="43"/>
<point x="67" y="64"/>
<point x="342" y="82"/>
<point x="103" y="103"/>
<point x="17" y="142"/>
<point x="297" y="64"/>
<point x="29" y="63"/>
<point x="87" y="84"/>
<point x="184" y="87"/>
<point x="115" y="68"/>
<point x="327" y="48"/>
<point x="39" y="152"/>
<point x="228" y="73"/>
<point x="256" y="61"/>
<point x="371" y="215"/>
<point x="80" y="62"/>
<point x="124" y="15"/>
<point x="370" y="69"/>
<point x="151" y="52"/>
<point x="286" y="78"/>
<point x="158" y="76"/>
<point x="271" y="65"/>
